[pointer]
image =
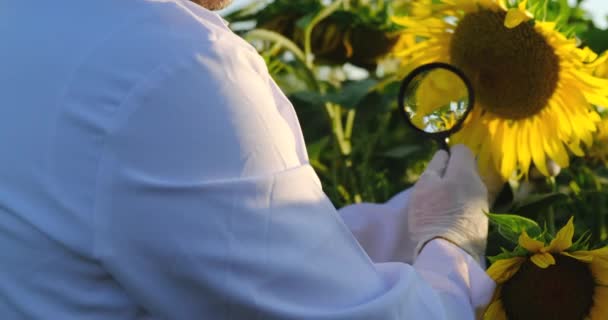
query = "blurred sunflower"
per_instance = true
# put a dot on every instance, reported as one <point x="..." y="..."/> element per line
<point x="534" y="87"/>
<point x="362" y="34"/>
<point x="598" y="153"/>
<point x="554" y="281"/>
<point x="601" y="71"/>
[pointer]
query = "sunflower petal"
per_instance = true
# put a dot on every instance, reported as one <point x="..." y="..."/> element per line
<point x="530" y="244"/>
<point x="536" y="147"/>
<point x="543" y="260"/>
<point x="514" y="18"/>
<point x="600" y="256"/>
<point x="466" y="5"/>
<point x="524" y="154"/>
<point x="554" y="146"/>
<point x="495" y="137"/>
<point x="597" y="260"/>
<point x="580" y="256"/>
<point x="502" y="270"/>
<point x="496" y="311"/>
<point x="563" y="239"/>
<point x="600" y="274"/>
<point x="509" y="149"/>
<point x="599" y="310"/>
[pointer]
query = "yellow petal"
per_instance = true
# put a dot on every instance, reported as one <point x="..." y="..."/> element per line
<point x="516" y="16"/>
<point x="563" y="239"/>
<point x="491" y="4"/>
<point x="600" y="256"/>
<point x="474" y="134"/>
<point x="600" y="274"/>
<point x="502" y="270"/>
<point x="437" y="92"/>
<point x="599" y="265"/>
<point x="524" y="154"/>
<point x="522" y="5"/>
<point x="543" y="260"/>
<point x="580" y="256"/>
<point x="599" y="310"/>
<point x="509" y="149"/>
<point x="563" y="123"/>
<point x="466" y="5"/>
<point x="496" y="311"/>
<point x="597" y="260"/>
<point x="497" y="145"/>
<point x="536" y="147"/>
<point x="530" y="244"/>
<point x="554" y="146"/>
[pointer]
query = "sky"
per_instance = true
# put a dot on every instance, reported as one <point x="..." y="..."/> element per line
<point x="598" y="9"/>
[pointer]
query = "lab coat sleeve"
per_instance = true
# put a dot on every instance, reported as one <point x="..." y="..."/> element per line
<point x="203" y="211"/>
<point x="456" y="277"/>
<point x="381" y="228"/>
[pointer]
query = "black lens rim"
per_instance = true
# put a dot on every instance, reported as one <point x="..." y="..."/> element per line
<point x="425" y="68"/>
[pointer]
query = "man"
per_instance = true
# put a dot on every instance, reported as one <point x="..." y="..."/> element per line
<point x="153" y="170"/>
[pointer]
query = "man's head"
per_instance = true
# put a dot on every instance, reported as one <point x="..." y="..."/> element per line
<point x="213" y="4"/>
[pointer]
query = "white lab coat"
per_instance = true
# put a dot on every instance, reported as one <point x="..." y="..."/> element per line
<point x="151" y="169"/>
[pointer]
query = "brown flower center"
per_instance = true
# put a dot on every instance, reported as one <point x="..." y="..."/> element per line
<point x="514" y="71"/>
<point x="563" y="291"/>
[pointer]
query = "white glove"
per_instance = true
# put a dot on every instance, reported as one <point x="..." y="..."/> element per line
<point x="449" y="201"/>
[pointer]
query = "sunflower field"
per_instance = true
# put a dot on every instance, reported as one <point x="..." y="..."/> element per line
<point x="539" y="127"/>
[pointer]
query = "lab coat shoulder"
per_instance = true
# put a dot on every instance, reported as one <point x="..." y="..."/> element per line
<point x="177" y="75"/>
<point x="156" y="35"/>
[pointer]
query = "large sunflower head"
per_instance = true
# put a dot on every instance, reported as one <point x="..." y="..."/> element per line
<point x="534" y="87"/>
<point x="558" y="280"/>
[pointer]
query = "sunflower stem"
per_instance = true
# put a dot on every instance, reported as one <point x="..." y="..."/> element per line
<point x="545" y="9"/>
<point x="326" y="12"/>
<point x="550" y="217"/>
<point x="600" y="218"/>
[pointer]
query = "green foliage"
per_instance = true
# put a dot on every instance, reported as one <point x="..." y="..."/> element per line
<point x="511" y="226"/>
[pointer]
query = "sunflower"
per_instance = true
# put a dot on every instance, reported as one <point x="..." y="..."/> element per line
<point x="535" y="89"/>
<point x="554" y="281"/>
<point x="601" y="70"/>
<point x="598" y="153"/>
<point x="359" y="34"/>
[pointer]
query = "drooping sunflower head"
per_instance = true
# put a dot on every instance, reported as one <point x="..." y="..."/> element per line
<point x="534" y="88"/>
<point x="598" y="153"/>
<point x="555" y="281"/>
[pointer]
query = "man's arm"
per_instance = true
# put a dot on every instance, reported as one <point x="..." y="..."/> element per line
<point x="203" y="211"/>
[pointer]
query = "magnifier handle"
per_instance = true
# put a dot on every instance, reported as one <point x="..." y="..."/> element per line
<point x="443" y="144"/>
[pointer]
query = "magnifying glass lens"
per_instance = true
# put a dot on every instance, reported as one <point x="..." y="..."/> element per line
<point x="436" y="100"/>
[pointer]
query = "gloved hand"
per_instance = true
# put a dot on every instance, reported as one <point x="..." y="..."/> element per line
<point x="449" y="201"/>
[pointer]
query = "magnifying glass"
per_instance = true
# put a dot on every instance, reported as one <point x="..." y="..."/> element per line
<point x="435" y="99"/>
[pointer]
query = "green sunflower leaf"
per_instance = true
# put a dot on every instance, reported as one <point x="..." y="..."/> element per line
<point x="307" y="99"/>
<point x="582" y="243"/>
<point x="511" y="226"/>
<point x="402" y="152"/>
<point x="520" y="251"/>
<point x="502" y="256"/>
<point x="506" y="254"/>
<point x="537" y="202"/>
<point x="352" y="93"/>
